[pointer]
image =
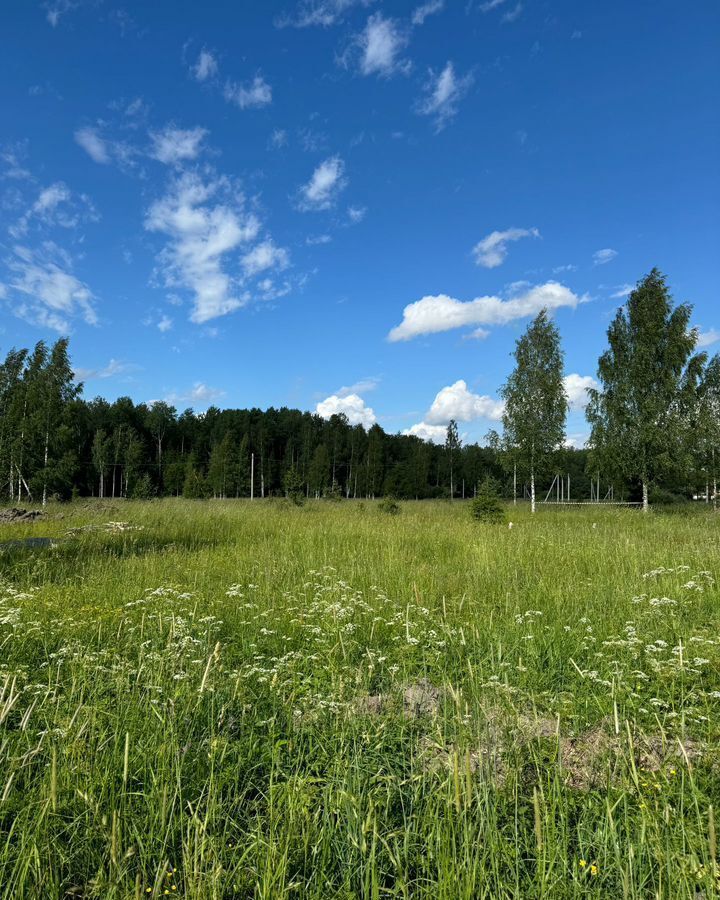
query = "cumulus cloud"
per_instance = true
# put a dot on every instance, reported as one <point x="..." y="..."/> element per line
<point x="433" y="433"/>
<point x="433" y="314"/>
<point x="206" y="66"/>
<point x="249" y="96"/>
<point x="457" y="401"/>
<point x="708" y="338"/>
<point x="351" y="405"/>
<point x="201" y="229"/>
<point x="443" y="93"/>
<point x="491" y="251"/>
<point x="601" y="257"/>
<point x="96" y="147"/>
<point x="265" y="255"/>
<point x="576" y="389"/>
<point x="420" y="13"/>
<point x="327" y="181"/>
<point x="380" y="45"/>
<point x="45" y="291"/>
<point x="177" y="145"/>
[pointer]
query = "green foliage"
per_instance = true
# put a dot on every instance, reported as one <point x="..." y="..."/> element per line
<point x="143" y="489"/>
<point x="487" y="506"/>
<point x="195" y="486"/>
<point x="389" y="506"/>
<point x="640" y="413"/>
<point x="294" y="486"/>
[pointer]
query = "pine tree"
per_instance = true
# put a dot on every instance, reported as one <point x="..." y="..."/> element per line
<point x="535" y="399"/>
<point x="452" y="447"/>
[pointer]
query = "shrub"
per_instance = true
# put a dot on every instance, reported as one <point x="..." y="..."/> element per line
<point x="294" y="486"/>
<point x="389" y="506"/>
<point x="143" y="488"/>
<point x="487" y="506"/>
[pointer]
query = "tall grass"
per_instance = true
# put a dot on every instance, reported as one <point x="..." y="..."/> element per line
<point x="235" y="700"/>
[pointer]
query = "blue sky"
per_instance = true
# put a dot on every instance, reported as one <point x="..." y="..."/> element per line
<point x="345" y="205"/>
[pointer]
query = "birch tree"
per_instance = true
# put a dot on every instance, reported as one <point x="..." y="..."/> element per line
<point x="636" y="422"/>
<point x="535" y="399"/>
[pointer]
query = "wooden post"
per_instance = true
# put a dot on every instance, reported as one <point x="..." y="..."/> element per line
<point x="252" y="476"/>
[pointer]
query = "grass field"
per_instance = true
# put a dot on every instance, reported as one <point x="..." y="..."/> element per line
<point x="230" y="700"/>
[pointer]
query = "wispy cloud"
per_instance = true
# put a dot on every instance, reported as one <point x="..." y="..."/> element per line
<point x="512" y="14"/>
<point x="44" y="291"/>
<point x="356" y="213"/>
<point x="438" y="313"/>
<point x="199" y="393"/>
<point x="205" y="67"/>
<point x="443" y="92"/>
<point x="324" y="186"/>
<point x="250" y="95"/>
<point x="113" y="368"/>
<point x="708" y="338"/>
<point x="380" y="45"/>
<point x="621" y="291"/>
<point x="177" y="145"/>
<point x="94" y="145"/>
<point x="601" y="257"/>
<point x="201" y="229"/>
<point x="491" y="251"/>
<point x="263" y="256"/>
<point x="420" y="13"/>
<point x="319" y="12"/>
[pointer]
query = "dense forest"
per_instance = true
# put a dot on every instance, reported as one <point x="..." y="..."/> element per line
<point x="55" y="443"/>
<point x="655" y="428"/>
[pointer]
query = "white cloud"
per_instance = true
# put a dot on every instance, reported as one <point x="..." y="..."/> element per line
<point x="265" y="255"/>
<point x="91" y="142"/>
<point x="491" y="251"/>
<point x="420" y="13"/>
<point x="249" y="96"/>
<point x="165" y="324"/>
<point x="478" y="334"/>
<point x="708" y="338"/>
<point x="356" y="213"/>
<point x="205" y="67"/>
<point x="51" y="208"/>
<point x="320" y="12"/>
<point x="114" y="367"/>
<point x="443" y="93"/>
<point x="491" y="4"/>
<point x="327" y="181"/>
<point x="380" y="44"/>
<point x="201" y="232"/>
<point x="457" y="401"/>
<point x="433" y="314"/>
<point x="578" y="440"/>
<point x="351" y="405"/>
<point x="622" y="291"/>
<point x="47" y="293"/>
<point x="278" y="138"/>
<point x="568" y="268"/>
<point x="513" y="13"/>
<point x="576" y="388"/>
<point x="315" y="240"/>
<point x="176" y="145"/>
<point x="360" y="387"/>
<point x="600" y="257"/>
<point x="56" y="10"/>
<point x="433" y="433"/>
<point x="199" y="393"/>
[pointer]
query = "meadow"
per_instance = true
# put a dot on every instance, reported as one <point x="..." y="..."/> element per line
<point x="232" y="699"/>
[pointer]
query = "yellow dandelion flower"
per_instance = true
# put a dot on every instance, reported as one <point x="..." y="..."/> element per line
<point x="593" y="870"/>
<point x="583" y="863"/>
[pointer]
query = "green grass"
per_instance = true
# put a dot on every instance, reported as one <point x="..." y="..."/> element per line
<point x="214" y="704"/>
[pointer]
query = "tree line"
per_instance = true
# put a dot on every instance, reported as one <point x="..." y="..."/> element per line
<point x="654" y="424"/>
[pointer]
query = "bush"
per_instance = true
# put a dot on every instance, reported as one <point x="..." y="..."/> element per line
<point x="143" y="488"/>
<point x="487" y="506"/>
<point x="389" y="506"/>
<point x="294" y="486"/>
